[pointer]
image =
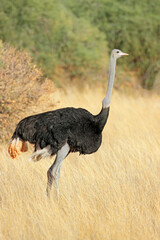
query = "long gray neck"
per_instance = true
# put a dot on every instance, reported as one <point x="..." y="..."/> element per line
<point x="107" y="99"/>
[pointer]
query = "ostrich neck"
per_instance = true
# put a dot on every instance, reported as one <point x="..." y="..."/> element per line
<point x="107" y="99"/>
<point x="102" y="117"/>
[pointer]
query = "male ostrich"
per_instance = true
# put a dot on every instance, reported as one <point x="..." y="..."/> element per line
<point x="63" y="131"/>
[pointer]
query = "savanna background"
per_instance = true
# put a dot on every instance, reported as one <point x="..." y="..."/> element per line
<point x="55" y="54"/>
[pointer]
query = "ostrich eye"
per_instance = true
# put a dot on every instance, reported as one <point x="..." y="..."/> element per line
<point x="117" y="51"/>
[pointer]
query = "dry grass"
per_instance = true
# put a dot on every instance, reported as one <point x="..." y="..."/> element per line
<point x="112" y="194"/>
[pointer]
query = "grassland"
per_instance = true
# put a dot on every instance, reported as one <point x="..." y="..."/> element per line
<point x="113" y="194"/>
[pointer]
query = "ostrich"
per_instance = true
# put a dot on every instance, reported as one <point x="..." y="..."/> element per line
<point x="63" y="131"/>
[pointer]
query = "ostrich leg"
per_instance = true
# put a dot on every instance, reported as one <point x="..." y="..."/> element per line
<point x="53" y="173"/>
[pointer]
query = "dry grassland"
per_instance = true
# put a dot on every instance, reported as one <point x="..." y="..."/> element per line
<point x="113" y="194"/>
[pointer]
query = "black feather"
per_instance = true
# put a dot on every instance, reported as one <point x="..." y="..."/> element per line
<point x="76" y="126"/>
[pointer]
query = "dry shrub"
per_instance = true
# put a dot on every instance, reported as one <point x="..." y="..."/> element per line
<point x="20" y="87"/>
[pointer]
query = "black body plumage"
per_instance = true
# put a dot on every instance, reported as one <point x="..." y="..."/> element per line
<point x="75" y="126"/>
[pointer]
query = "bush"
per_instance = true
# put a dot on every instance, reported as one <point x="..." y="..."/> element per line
<point x="132" y="26"/>
<point x="19" y="87"/>
<point x="73" y="34"/>
<point x="52" y="34"/>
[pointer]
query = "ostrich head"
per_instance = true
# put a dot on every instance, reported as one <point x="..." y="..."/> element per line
<point x="116" y="53"/>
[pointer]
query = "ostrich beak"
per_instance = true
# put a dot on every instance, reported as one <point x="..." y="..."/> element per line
<point x="124" y="54"/>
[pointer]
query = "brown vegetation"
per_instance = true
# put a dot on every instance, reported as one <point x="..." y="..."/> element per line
<point x="20" y="88"/>
<point x="112" y="194"/>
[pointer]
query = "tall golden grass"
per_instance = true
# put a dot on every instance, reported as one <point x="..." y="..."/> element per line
<point x="112" y="194"/>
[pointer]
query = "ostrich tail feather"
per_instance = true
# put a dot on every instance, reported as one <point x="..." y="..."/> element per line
<point x="16" y="147"/>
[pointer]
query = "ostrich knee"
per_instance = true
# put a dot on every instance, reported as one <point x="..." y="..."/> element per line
<point x="53" y="173"/>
